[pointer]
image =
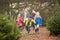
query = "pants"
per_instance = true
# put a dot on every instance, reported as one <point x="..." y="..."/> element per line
<point x="37" y="28"/>
<point x="33" y="26"/>
<point x="28" y="29"/>
<point x="21" y="27"/>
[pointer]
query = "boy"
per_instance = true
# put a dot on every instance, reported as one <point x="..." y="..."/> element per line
<point x="28" y="23"/>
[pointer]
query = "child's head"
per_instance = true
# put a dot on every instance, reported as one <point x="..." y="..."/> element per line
<point x="33" y="11"/>
<point x="37" y="13"/>
<point x="19" y="15"/>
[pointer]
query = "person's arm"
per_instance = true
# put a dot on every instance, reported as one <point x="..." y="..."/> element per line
<point x="34" y="21"/>
<point x="25" y="22"/>
<point x="40" y="21"/>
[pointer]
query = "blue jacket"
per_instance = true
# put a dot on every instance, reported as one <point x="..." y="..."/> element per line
<point x="38" y="20"/>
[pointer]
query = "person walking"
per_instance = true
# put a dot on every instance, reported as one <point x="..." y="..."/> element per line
<point x="28" y="23"/>
<point x="19" y="21"/>
<point x="38" y="20"/>
<point x="26" y="12"/>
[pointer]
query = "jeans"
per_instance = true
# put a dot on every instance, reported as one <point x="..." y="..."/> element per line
<point x="28" y="28"/>
<point x="21" y="27"/>
<point x="37" y="28"/>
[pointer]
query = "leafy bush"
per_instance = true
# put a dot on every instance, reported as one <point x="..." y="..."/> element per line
<point x="8" y="29"/>
<point x="53" y="24"/>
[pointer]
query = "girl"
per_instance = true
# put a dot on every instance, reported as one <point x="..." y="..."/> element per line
<point x="38" y="21"/>
<point x="19" y="21"/>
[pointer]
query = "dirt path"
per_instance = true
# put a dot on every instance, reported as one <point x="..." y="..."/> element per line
<point x="43" y="35"/>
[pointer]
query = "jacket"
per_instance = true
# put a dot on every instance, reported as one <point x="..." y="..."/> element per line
<point x="38" y="20"/>
<point x="19" y="22"/>
<point x="29" y="23"/>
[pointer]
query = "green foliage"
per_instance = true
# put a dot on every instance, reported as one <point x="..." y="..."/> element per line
<point x="58" y="1"/>
<point x="8" y="29"/>
<point x="53" y="23"/>
<point x="4" y="4"/>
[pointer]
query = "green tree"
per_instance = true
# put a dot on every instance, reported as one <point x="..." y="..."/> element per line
<point x="8" y="29"/>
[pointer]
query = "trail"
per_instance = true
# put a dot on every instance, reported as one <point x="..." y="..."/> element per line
<point x="43" y="35"/>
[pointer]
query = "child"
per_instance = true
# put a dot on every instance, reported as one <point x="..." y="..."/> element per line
<point x="33" y="14"/>
<point x="28" y="23"/>
<point x="19" y="21"/>
<point x="38" y="21"/>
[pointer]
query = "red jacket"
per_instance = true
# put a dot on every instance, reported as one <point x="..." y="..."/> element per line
<point x="19" y="22"/>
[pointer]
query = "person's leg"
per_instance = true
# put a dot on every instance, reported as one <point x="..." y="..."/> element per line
<point x="20" y="29"/>
<point x="33" y="26"/>
<point x="28" y="29"/>
<point x="37" y="28"/>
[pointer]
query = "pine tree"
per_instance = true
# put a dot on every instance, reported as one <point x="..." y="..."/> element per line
<point x="8" y="29"/>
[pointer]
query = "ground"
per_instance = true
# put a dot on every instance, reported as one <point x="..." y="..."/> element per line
<point x="44" y="34"/>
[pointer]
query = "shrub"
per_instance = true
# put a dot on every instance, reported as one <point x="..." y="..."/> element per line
<point x="53" y="24"/>
<point x="8" y="29"/>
